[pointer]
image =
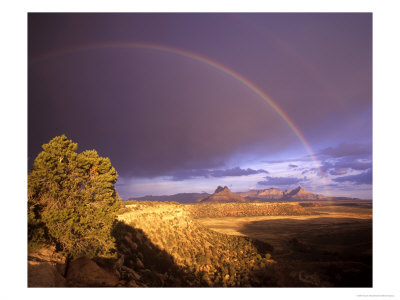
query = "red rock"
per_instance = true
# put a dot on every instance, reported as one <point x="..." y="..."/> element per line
<point x="43" y="274"/>
<point x="83" y="272"/>
<point x="46" y="268"/>
<point x="223" y="195"/>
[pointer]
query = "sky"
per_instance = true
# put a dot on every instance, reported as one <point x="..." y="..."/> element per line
<point x="187" y="102"/>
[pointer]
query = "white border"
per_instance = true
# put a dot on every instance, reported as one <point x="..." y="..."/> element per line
<point x="13" y="118"/>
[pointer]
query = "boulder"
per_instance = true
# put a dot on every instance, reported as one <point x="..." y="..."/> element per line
<point x="161" y="277"/>
<point x="131" y="272"/>
<point x="83" y="272"/>
<point x="132" y="283"/>
<point x="132" y="244"/>
<point x="151" y="277"/>
<point x="46" y="268"/>
<point x="43" y="274"/>
<point x="119" y="263"/>
<point x="139" y="263"/>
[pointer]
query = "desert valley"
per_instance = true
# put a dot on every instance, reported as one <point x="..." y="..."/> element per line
<point x="280" y="239"/>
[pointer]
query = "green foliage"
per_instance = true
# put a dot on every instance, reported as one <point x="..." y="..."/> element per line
<point x="72" y="200"/>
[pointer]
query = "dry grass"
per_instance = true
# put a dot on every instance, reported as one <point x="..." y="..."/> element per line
<point x="335" y="245"/>
<point x="233" y="225"/>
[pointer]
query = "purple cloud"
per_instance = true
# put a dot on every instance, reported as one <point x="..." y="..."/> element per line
<point x="340" y="171"/>
<point x="312" y="170"/>
<point x="362" y="178"/>
<point x="342" y="165"/>
<point x="236" y="172"/>
<point x="279" y="161"/>
<point x="280" y="181"/>
<point x="344" y="150"/>
<point x="292" y="166"/>
<point x="206" y="173"/>
<point x="326" y="166"/>
<point x="354" y="164"/>
<point x="190" y="123"/>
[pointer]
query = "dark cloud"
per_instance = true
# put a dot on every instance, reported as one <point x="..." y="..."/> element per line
<point x="292" y="166"/>
<point x="362" y="178"/>
<point x="353" y="164"/>
<point x="206" y="173"/>
<point x="332" y="185"/>
<point x="340" y="171"/>
<point x="342" y="165"/>
<point x="344" y="149"/>
<point x="280" y="181"/>
<point x="149" y="121"/>
<point x="312" y="170"/>
<point x="326" y="166"/>
<point x="154" y="112"/>
<point x="237" y="172"/>
<point x="289" y="160"/>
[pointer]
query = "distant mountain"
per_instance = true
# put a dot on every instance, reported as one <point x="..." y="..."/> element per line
<point x="299" y="194"/>
<point x="274" y="194"/>
<point x="223" y="195"/>
<point x="181" y="198"/>
<point x="271" y="194"/>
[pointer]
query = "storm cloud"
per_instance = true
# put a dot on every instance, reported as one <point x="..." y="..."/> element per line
<point x="339" y="171"/>
<point x="280" y="181"/>
<point x="362" y="178"/>
<point x="148" y="121"/>
<point x="158" y="113"/>
<point x="345" y="150"/>
<point x="206" y="173"/>
<point x="343" y="158"/>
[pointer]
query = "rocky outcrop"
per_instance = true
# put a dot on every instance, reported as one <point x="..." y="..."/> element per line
<point x="299" y="193"/>
<point x="83" y="272"/>
<point x="223" y="195"/>
<point x="49" y="268"/>
<point x="275" y="194"/>
<point x="270" y="194"/>
<point x="140" y="262"/>
<point x="46" y="268"/>
<point x="221" y="189"/>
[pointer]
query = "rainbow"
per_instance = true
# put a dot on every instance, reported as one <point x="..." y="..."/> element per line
<point x="205" y="60"/>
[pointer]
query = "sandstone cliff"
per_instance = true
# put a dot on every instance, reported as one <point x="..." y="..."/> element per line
<point x="223" y="195"/>
<point x="275" y="194"/>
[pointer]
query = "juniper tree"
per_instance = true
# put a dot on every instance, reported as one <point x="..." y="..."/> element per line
<point x="72" y="200"/>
